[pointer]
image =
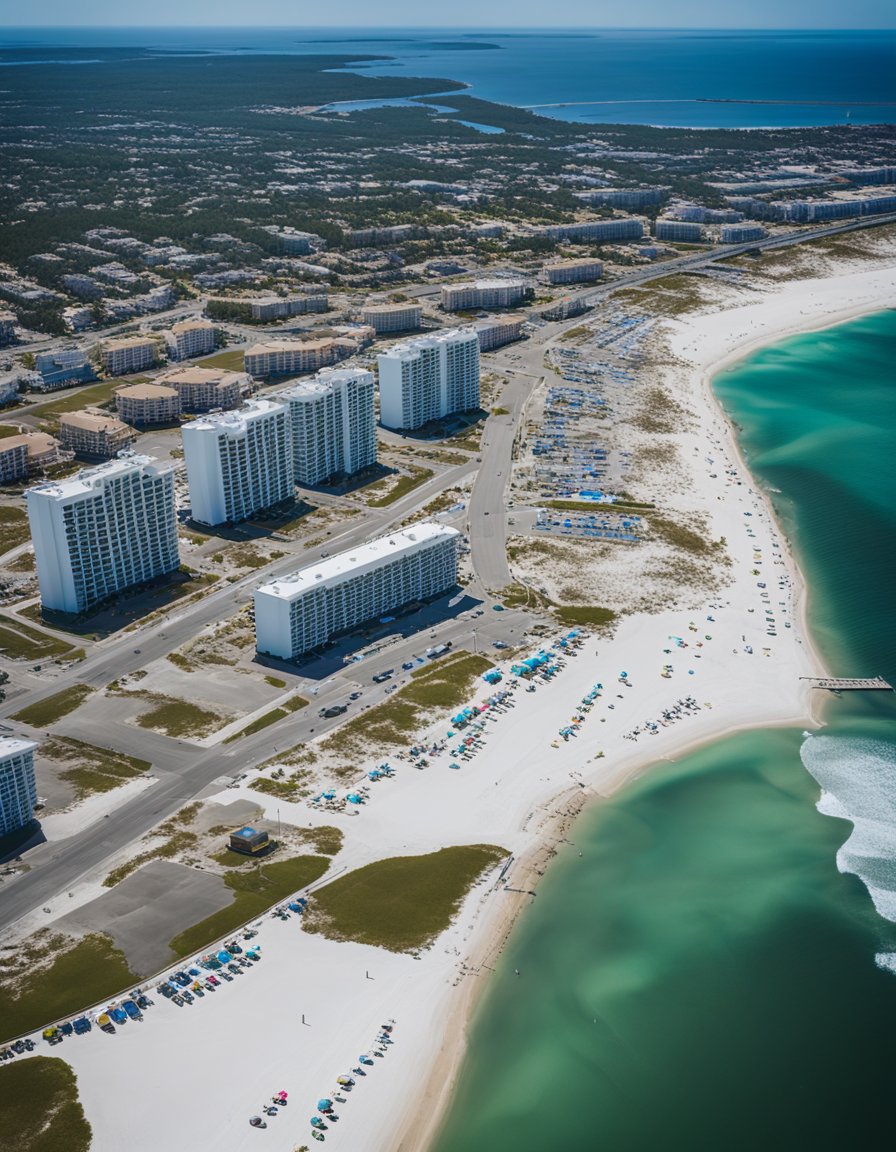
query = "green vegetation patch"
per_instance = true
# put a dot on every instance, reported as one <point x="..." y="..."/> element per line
<point x="254" y="893"/>
<point x="14" y="528"/>
<point x="232" y="361"/>
<point x="587" y="614"/>
<point x="40" y="1107"/>
<point x="403" y="903"/>
<point x="682" y="537"/>
<point x="444" y="685"/>
<point x="178" y="717"/>
<point x="404" y="484"/>
<point x="19" y="641"/>
<point x="291" y="705"/>
<point x="94" y="769"/>
<point x="47" y="712"/>
<point x="275" y="681"/>
<point x="78" y="976"/>
<point x="79" y="398"/>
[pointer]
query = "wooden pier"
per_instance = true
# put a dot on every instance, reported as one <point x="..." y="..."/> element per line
<point x="840" y="684"/>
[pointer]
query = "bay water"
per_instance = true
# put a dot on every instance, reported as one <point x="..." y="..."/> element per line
<point x="714" y="970"/>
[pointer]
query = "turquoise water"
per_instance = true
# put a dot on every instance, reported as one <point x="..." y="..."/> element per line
<point x="711" y="973"/>
<point x="670" y="78"/>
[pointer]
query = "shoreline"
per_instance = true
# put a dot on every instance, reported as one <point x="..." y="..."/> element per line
<point x="523" y="791"/>
<point x="424" y="1125"/>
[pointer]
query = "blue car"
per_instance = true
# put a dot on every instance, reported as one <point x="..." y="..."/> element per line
<point x="132" y="1010"/>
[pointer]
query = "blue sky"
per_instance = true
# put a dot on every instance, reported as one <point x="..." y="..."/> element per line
<point x="463" y="13"/>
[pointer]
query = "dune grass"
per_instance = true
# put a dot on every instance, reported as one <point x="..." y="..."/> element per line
<point x="40" y="1107"/>
<point x="254" y="893"/>
<point x="403" y="903"/>
<point x="79" y="976"/>
<point x="19" y="641"/>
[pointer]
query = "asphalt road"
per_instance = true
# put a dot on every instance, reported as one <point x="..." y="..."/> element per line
<point x="184" y="770"/>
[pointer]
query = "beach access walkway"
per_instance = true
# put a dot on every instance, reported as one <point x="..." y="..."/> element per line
<point x="841" y="684"/>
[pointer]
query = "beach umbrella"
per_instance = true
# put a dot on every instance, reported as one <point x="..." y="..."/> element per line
<point x="324" y="1105"/>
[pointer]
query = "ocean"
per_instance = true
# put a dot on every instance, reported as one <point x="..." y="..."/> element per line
<point x="717" y="969"/>
<point x="703" y="79"/>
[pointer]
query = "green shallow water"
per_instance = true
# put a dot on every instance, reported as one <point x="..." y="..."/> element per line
<point x="711" y="972"/>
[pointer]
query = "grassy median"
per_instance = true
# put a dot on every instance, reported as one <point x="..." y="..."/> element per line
<point x="47" y="712"/>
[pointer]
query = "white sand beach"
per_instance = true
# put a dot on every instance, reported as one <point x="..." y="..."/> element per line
<point x="189" y="1078"/>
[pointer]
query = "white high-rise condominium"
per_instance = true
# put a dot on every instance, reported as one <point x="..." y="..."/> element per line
<point x="429" y="377"/>
<point x="18" y="788"/>
<point x="239" y="462"/>
<point x="103" y="530"/>
<point x="333" y="427"/>
<point x="299" y="612"/>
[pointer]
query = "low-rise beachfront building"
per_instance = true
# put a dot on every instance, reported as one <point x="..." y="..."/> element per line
<point x="572" y="271"/>
<point x="388" y="234"/>
<point x="299" y="612"/>
<point x="295" y="357"/>
<point x="625" y="197"/>
<point x="384" y="318"/>
<point x="239" y="463"/>
<point x="333" y="424"/>
<point x="62" y="369"/>
<point x="191" y="338"/>
<point x="94" y="436"/>
<point x="678" y="231"/>
<point x="741" y="233"/>
<point x="18" y="785"/>
<point x="145" y="405"/>
<point x="429" y="377"/>
<point x="266" y="308"/>
<point x="129" y="354"/>
<point x="207" y="389"/>
<point x="105" y="529"/>
<point x="597" y="231"/>
<point x="496" y="332"/>
<point x="483" y="294"/>
<point x="27" y="454"/>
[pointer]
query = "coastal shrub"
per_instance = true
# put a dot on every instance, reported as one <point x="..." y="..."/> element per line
<point x="40" y="1107"/>
<point x="403" y="903"/>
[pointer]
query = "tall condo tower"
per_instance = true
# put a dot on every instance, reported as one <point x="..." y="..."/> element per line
<point x="18" y="788"/>
<point x="103" y="530"/>
<point x="333" y="427"/>
<point x="238" y="462"/>
<point x="429" y="377"/>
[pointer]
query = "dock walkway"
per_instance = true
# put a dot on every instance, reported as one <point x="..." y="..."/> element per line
<point x="841" y="684"/>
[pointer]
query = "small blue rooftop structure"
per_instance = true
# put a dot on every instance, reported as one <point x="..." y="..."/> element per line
<point x="249" y="841"/>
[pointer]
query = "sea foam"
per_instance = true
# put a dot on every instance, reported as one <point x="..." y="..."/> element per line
<point x="858" y="781"/>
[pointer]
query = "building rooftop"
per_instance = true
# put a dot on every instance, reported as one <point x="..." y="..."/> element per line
<point x="191" y="326"/>
<point x="194" y="375"/>
<point x="269" y="346"/>
<point x="384" y="309"/>
<point x="485" y="284"/>
<point x="234" y="421"/>
<point x="356" y="560"/>
<point x="93" y="422"/>
<point x="416" y="343"/>
<point x="36" y="443"/>
<point x="324" y="382"/>
<point x="146" y="392"/>
<point x="88" y="479"/>
<point x="11" y="746"/>
<point x="127" y="342"/>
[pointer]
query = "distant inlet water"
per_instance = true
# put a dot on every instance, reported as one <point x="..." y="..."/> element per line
<point x="695" y="78"/>
<point x="714" y="970"/>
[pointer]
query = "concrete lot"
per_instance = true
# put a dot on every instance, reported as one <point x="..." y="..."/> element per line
<point x="148" y="909"/>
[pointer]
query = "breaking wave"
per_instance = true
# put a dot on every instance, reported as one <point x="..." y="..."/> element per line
<point x="858" y="781"/>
